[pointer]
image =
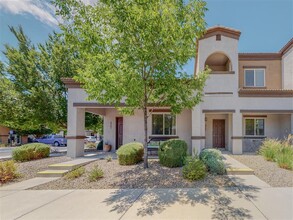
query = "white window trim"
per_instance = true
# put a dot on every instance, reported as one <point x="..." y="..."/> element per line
<point x="163" y="113"/>
<point x="254" y="77"/>
<point x="254" y="130"/>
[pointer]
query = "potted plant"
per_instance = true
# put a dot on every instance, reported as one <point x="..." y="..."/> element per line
<point x="107" y="147"/>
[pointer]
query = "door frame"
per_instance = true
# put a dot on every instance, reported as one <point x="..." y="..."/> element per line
<point x="116" y="131"/>
<point x="223" y="135"/>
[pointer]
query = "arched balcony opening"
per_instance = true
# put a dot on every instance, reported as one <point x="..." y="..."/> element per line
<point x="219" y="62"/>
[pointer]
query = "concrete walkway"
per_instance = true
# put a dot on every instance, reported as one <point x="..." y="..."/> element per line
<point x="250" y="199"/>
<point x="196" y="203"/>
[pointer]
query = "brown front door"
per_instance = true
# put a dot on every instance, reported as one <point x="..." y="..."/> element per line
<point x="119" y="132"/>
<point x="218" y="133"/>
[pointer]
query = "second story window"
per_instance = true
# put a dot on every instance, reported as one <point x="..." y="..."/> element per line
<point x="254" y="77"/>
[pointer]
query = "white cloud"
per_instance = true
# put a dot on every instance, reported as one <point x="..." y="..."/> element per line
<point x="42" y="10"/>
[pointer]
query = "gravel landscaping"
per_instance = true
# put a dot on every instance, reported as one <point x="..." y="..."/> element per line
<point x="29" y="169"/>
<point x="267" y="171"/>
<point x="135" y="176"/>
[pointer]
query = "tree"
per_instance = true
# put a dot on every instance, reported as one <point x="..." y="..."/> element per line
<point x="134" y="52"/>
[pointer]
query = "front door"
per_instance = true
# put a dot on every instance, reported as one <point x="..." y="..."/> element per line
<point x="218" y="133"/>
<point x="119" y="132"/>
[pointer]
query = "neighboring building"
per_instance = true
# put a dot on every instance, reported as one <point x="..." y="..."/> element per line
<point x="247" y="98"/>
<point x="4" y="134"/>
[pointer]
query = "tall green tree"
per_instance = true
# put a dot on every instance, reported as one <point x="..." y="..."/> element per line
<point x="134" y="51"/>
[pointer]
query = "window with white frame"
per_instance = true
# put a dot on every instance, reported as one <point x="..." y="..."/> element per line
<point x="255" y="127"/>
<point x="163" y="124"/>
<point x="254" y="77"/>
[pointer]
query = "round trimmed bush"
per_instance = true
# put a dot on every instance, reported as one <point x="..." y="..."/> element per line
<point x="215" y="166"/>
<point x="210" y="153"/>
<point x="194" y="169"/>
<point x="172" y="153"/>
<point x="213" y="160"/>
<point x="130" y="153"/>
<point x="29" y="152"/>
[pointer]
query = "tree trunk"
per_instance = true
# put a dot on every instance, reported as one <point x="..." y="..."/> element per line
<point x="145" y="158"/>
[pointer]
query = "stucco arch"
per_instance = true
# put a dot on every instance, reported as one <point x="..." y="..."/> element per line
<point x="218" y="61"/>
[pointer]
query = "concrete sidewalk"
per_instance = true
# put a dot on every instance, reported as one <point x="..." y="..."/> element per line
<point x="197" y="203"/>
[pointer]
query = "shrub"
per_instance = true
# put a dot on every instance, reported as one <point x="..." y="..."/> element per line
<point x="194" y="169"/>
<point x="75" y="173"/>
<point x="131" y="153"/>
<point x="269" y="149"/>
<point x="90" y="145"/>
<point x="8" y="171"/>
<point x="215" y="166"/>
<point x="213" y="160"/>
<point x="95" y="174"/>
<point x="100" y="145"/>
<point x="284" y="156"/>
<point x="29" y="152"/>
<point x="172" y="153"/>
<point x="210" y="153"/>
<point x="109" y="158"/>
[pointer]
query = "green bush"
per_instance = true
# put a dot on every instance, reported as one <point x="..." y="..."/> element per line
<point x="210" y="153"/>
<point x="284" y="156"/>
<point x="130" y="153"/>
<point x="172" y="153"/>
<point x="29" y="152"/>
<point x="8" y="171"/>
<point x="215" y="166"/>
<point x="95" y="174"/>
<point x="213" y="160"/>
<point x="194" y="169"/>
<point x="75" y="173"/>
<point x="269" y="149"/>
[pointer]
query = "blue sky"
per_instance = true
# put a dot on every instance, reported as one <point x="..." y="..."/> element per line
<point x="266" y="25"/>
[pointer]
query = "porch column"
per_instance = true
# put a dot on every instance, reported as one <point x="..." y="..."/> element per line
<point x="237" y="135"/>
<point x="198" y="130"/>
<point x="75" y="131"/>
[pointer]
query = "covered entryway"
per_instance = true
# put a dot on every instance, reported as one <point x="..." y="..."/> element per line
<point x="219" y="133"/>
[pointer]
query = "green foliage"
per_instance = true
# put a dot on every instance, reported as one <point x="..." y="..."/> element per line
<point x="94" y="122"/>
<point x="95" y="174"/>
<point x="75" y="173"/>
<point x="8" y="171"/>
<point x="269" y="149"/>
<point x="100" y="145"/>
<point x="130" y="153"/>
<point x="278" y="151"/>
<point x="210" y="153"/>
<point x="109" y="158"/>
<point x="172" y="153"/>
<point x="29" y="152"/>
<point x="90" y="145"/>
<point x="194" y="169"/>
<point x="136" y="50"/>
<point x="213" y="160"/>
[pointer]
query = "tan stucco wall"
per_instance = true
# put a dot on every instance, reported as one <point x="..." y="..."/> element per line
<point x="287" y="65"/>
<point x="273" y="72"/>
<point x="133" y="127"/>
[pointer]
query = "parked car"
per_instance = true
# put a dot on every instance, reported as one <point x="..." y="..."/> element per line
<point x="56" y="140"/>
<point x="91" y="139"/>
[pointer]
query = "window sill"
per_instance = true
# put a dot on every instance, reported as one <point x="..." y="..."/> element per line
<point x="254" y="87"/>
